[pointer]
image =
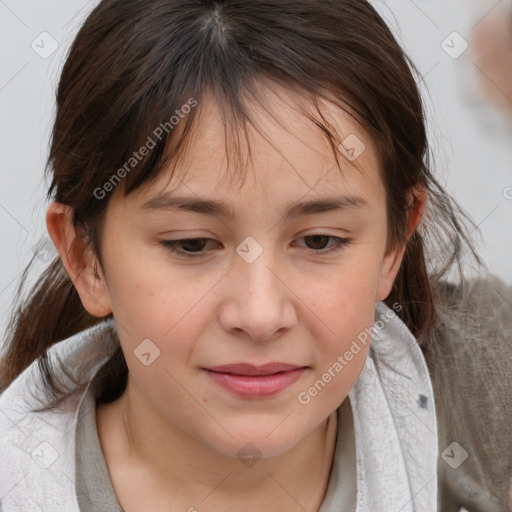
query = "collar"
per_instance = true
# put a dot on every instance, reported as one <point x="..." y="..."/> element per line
<point x="395" y="422"/>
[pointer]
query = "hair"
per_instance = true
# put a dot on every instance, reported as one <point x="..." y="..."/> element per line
<point x="135" y="65"/>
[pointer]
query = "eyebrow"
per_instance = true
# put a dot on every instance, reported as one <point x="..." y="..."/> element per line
<point x="167" y="201"/>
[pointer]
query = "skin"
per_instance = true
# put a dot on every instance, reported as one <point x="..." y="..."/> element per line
<point x="173" y="436"/>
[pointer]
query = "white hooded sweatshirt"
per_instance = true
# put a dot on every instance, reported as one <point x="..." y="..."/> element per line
<point x="392" y="403"/>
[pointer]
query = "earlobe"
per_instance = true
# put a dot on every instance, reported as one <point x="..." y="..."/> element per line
<point x="390" y="268"/>
<point x="79" y="260"/>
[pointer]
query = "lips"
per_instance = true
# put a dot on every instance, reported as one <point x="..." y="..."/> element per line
<point x="249" y="369"/>
<point x="249" y="381"/>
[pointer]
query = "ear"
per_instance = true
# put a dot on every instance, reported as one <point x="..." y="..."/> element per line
<point x="416" y="198"/>
<point x="79" y="260"/>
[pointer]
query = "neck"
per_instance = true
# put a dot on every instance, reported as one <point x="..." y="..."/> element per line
<point x="143" y="447"/>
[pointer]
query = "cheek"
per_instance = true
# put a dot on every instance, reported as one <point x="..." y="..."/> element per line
<point x="341" y="312"/>
<point x="152" y="297"/>
<point x="346" y="300"/>
<point x="347" y="334"/>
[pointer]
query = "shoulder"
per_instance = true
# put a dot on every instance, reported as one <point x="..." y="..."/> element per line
<point x="477" y="300"/>
<point x="469" y="355"/>
<point x="66" y="365"/>
<point x="473" y="331"/>
<point x="35" y="435"/>
<point x="471" y="343"/>
<point x="473" y="336"/>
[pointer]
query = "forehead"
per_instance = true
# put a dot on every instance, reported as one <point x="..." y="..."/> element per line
<point x="285" y="153"/>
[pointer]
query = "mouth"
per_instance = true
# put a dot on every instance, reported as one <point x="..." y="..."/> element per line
<point x="249" y="369"/>
<point x="249" y="381"/>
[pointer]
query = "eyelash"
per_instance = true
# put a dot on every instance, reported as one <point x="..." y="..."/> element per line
<point x="173" y="245"/>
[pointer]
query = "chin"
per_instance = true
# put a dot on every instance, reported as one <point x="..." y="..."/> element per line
<point x="256" y="444"/>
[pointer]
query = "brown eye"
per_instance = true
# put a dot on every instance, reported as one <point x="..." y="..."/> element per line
<point x="318" y="243"/>
<point x="187" y="246"/>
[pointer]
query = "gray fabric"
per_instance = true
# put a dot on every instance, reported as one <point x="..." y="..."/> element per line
<point x="95" y="491"/>
<point x="342" y="490"/>
<point x="94" y="488"/>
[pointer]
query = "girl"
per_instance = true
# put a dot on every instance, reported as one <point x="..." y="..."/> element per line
<point x="194" y="347"/>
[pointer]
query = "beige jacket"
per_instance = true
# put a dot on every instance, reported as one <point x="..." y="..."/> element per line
<point x="473" y="392"/>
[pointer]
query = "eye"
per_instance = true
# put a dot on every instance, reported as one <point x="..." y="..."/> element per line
<point x="321" y="239"/>
<point x="194" y="247"/>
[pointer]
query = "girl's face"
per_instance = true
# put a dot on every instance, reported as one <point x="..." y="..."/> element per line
<point x="265" y="280"/>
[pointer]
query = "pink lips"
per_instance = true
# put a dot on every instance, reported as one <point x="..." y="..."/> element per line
<point x="250" y="381"/>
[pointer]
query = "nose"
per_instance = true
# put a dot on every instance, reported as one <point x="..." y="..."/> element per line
<point x="260" y="300"/>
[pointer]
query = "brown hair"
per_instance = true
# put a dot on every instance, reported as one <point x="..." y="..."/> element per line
<point x="135" y="63"/>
